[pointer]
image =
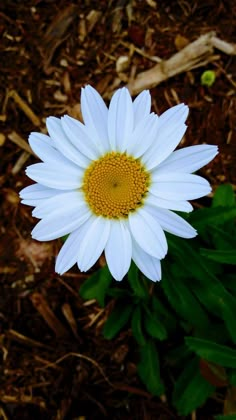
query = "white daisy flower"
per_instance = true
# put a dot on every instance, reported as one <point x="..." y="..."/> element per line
<point x="113" y="182"/>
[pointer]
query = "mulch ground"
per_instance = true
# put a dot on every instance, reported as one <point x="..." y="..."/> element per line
<point x="55" y="362"/>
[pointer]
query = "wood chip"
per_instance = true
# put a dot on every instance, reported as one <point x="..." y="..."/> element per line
<point x="68" y="314"/>
<point x="92" y="19"/>
<point x="25" y="108"/>
<point x="2" y="139"/>
<point x="20" y="338"/>
<point x="48" y="315"/>
<point x="20" y="162"/>
<point x="56" y="34"/>
<point x="17" y="139"/>
<point x="122" y="63"/>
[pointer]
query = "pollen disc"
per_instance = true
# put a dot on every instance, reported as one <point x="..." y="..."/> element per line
<point x="115" y="184"/>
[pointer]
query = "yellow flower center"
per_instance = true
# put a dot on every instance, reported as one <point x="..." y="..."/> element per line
<point x="115" y="184"/>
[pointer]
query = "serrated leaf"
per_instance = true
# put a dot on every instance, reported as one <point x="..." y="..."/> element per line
<point x="136" y="325"/>
<point x="191" y="389"/>
<point x="149" y="369"/>
<point x="117" y="319"/>
<point x="224" y="196"/>
<point x="221" y="355"/>
<point x="220" y="256"/>
<point x="95" y="287"/>
<point x="154" y="327"/>
<point x="137" y="283"/>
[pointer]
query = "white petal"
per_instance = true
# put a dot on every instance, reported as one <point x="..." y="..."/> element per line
<point x="63" y="143"/>
<point x="68" y="254"/>
<point x="166" y="141"/>
<point x="174" y="114"/>
<point x="77" y="134"/>
<point x="174" y="186"/>
<point x="54" y="204"/>
<point x="171" y="131"/>
<point x="148" y="265"/>
<point x="172" y="222"/>
<point x="118" y="250"/>
<point x="168" y="204"/>
<point x="93" y="242"/>
<point x="41" y="138"/>
<point x="143" y="136"/>
<point x="95" y="112"/>
<point x="55" y="175"/>
<point x="148" y="233"/>
<point x="45" y="150"/>
<point x="36" y="193"/>
<point x="142" y="106"/>
<point x="188" y="159"/>
<point x="120" y="120"/>
<point x="61" y="223"/>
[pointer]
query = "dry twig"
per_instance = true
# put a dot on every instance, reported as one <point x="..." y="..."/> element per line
<point x="196" y="54"/>
<point x="15" y="138"/>
<point x="48" y="315"/>
<point x="25" y="108"/>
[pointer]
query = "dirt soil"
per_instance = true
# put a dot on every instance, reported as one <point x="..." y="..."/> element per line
<point x="55" y="364"/>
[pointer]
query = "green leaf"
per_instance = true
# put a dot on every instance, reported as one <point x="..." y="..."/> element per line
<point x="183" y="301"/>
<point x="191" y="389"/>
<point x="211" y="216"/>
<point x="136" y="324"/>
<point x="149" y="369"/>
<point x="178" y="356"/>
<point x="229" y="282"/>
<point x="232" y="377"/>
<point x="228" y="309"/>
<point x="118" y="293"/>
<point x="205" y="285"/>
<point x="153" y="326"/>
<point x="226" y="417"/>
<point x="95" y="287"/>
<point x="117" y="319"/>
<point x="220" y="256"/>
<point x="224" y="196"/>
<point x="137" y="282"/>
<point x="221" y="355"/>
<point x="162" y="311"/>
<point x="223" y="238"/>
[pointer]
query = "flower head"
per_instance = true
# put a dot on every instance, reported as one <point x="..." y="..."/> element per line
<point x="113" y="182"/>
